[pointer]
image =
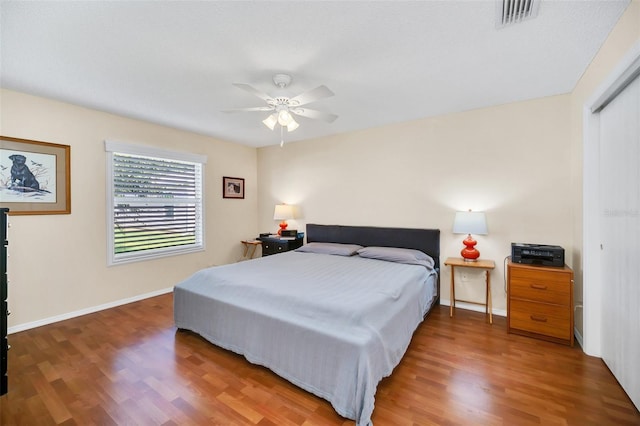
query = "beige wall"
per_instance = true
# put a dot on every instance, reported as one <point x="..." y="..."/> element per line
<point x="512" y="161"/>
<point x="622" y="38"/>
<point x="58" y="263"/>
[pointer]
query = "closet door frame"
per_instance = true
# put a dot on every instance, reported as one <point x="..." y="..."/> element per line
<point x="625" y="72"/>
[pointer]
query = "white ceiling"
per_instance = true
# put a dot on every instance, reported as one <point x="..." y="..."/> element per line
<point x="174" y="63"/>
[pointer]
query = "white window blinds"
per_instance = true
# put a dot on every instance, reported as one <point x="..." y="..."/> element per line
<point x="156" y="203"/>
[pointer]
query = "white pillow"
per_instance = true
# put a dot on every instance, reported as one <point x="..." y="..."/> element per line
<point x="330" y="248"/>
<point x="398" y="255"/>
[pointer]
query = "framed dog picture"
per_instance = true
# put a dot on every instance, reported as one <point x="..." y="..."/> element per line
<point x="34" y="177"/>
<point x="232" y="187"/>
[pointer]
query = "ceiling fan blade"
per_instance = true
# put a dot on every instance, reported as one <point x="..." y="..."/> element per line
<point x="253" y="91"/>
<point x="312" y="95"/>
<point x="262" y="108"/>
<point x="315" y="114"/>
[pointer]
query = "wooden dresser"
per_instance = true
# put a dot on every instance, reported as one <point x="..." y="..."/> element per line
<point x="540" y="302"/>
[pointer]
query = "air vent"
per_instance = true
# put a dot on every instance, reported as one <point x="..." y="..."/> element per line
<point x="509" y="12"/>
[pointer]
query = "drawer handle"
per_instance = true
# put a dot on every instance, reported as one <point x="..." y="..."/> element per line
<point x="539" y="286"/>
<point x="538" y="318"/>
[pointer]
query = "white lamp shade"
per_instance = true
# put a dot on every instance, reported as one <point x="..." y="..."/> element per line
<point x="470" y="223"/>
<point x="284" y="118"/>
<point x="271" y="121"/>
<point x="283" y="212"/>
<point x="292" y="125"/>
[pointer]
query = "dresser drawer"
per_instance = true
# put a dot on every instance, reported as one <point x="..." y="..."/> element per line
<point x="273" y="247"/>
<point x="541" y="318"/>
<point x="534" y="273"/>
<point x="276" y="245"/>
<point x="541" y="288"/>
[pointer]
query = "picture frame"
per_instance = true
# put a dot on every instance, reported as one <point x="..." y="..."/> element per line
<point x="35" y="177"/>
<point x="232" y="187"/>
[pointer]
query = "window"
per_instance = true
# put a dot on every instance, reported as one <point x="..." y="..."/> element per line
<point x="155" y="202"/>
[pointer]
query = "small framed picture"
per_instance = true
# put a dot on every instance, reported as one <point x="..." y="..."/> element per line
<point x="232" y="187"/>
<point x="34" y="177"/>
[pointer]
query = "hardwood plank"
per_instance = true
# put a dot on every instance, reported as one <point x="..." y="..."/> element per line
<point x="129" y="365"/>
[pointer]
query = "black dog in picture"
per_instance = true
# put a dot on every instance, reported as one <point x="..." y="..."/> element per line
<point x="21" y="177"/>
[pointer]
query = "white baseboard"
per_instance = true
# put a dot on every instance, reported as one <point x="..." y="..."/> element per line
<point x="578" y="337"/>
<point x="51" y="320"/>
<point x="473" y="307"/>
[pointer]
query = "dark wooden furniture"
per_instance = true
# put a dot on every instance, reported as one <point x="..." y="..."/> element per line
<point x="273" y="245"/>
<point x="4" y="309"/>
<point x="540" y="302"/>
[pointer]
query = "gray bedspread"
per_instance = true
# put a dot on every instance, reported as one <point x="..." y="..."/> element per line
<point x="332" y="325"/>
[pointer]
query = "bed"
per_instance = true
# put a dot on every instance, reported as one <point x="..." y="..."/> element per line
<point x="333" y="317"/>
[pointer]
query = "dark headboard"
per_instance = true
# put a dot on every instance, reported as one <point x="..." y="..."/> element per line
<point x="425" y="240"/>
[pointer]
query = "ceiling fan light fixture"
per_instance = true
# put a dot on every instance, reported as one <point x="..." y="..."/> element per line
<point x="284" y="117"/>
<point x="284" y="108"/>
<point x="293" y="125"/>
<point x="271" y="121"/>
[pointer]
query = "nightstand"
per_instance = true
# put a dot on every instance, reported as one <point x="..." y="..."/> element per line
<point x="485" y="264"/>
<point x="540" y="302"/>
<point x="274" y="245"/>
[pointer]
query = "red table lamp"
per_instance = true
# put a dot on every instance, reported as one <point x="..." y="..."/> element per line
<point x="283" y="212"/>
<point x="470" y="223"/>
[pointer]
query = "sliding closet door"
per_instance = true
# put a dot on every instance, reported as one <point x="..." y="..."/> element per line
<point x="620" y="229"/>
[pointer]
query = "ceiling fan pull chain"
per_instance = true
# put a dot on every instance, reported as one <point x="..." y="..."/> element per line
<point x="281" y="137"/>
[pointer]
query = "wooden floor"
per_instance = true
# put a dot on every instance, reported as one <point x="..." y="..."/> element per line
<point x="129" y="366"/>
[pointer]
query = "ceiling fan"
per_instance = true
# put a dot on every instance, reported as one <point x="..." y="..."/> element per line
<point x="285" y="108"/>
